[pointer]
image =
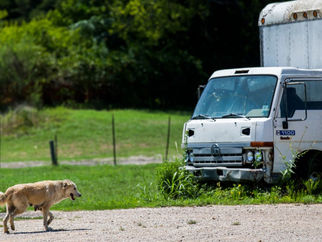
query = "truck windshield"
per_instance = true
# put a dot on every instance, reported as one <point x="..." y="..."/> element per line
<point x="236" y="97"/>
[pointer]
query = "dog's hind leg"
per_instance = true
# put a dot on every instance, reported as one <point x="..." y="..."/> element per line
<point x="9" y="216"/>
<point x="12" y="224"/>
<point x="12" y="213"/>
<point x="5" y="221"/>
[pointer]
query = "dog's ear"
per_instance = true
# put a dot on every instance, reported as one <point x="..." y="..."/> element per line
<point x="66" y="183"/>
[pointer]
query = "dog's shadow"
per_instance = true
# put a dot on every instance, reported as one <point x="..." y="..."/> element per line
<point x="50" y="231"/>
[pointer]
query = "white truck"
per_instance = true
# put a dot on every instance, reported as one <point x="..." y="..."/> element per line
<point x="249" y="122"/>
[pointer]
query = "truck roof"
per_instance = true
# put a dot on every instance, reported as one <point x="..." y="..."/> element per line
<point x="277" y="71"/>
<point x="286" y="12"/>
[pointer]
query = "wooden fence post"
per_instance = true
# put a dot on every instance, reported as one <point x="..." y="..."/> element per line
<point x="56" y="148"/>
<point x="113" y="137"/>
<point x="0" y="139"/>
<point x="52" y="152"/>
<point x="168" y="140"/>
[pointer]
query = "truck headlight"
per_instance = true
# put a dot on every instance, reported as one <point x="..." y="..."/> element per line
<point x="189" y="157"/>
<point x="250" y="156"/>
<point x="258" y="155"/>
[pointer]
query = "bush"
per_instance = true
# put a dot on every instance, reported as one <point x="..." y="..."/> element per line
<point x="20" y="120"/>
<point x="174" y="182"/>
<point x="21" y="64"/>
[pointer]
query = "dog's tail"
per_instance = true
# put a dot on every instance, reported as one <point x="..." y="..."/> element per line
<point x="3" y="198"/>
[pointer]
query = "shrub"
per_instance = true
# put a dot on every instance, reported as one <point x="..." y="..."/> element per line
<point x="24" y="120"/>
<point x="175" y="182"/>
<point x="20" y="119"/>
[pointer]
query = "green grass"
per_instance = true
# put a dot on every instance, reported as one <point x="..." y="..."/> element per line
<point x="102" y="187"/>
<point x="130" y="186"/>
<point x="87" y="134"/>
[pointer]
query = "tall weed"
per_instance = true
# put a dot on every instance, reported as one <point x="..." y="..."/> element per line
<point x="312" y="186"/>
<point x="289" y="171"/>
<point x="293" y="183"/>
<point x="175" y="182"/>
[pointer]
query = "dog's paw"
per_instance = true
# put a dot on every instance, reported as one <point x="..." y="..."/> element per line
<point x="48" y="229"/>
<point x="12" y="227"/>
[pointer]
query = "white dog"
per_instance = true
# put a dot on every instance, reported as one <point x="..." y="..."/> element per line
<point x="42" y="195"/>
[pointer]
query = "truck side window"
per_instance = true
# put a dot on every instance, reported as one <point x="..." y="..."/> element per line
<point x="294" y="101"/>
<point x="296" y="98"/>
<point x="314" y="97"/>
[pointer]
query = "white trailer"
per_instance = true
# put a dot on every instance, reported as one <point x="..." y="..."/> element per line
<point x="249" y="122"/>
<point x="291" y="34"/>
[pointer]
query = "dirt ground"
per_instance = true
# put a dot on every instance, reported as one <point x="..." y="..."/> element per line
<point x="283" y="222"/>
<point x="133" y="160"/>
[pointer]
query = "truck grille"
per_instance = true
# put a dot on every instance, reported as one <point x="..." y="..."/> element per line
<point x="216" y="155"/>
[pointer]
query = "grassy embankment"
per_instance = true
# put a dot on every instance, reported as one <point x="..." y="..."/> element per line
<point x="87" y="134"/>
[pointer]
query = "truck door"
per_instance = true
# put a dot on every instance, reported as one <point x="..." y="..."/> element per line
<point x="297" y="125"/>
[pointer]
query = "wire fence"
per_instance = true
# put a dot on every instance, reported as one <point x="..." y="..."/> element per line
<point x="53" y="143"/>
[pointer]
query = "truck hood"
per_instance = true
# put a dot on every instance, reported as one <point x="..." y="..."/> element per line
<point x="227" y="130"/>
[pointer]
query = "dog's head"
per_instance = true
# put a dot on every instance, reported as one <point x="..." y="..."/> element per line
<point x="70" y="189"/>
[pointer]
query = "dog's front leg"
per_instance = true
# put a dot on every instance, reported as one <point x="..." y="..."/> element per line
<point x="45" y="212"/>
<point x="51" y="217"/>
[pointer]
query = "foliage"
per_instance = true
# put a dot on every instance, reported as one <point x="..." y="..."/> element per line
<point x="44" y="64"/>
<point x="297" y="179"/>
<point x="134" y="53"/>
<point x="288" y="172"/>
<point x="237" y="192"/>
<point x="25" y="9"/>
<point x="313" y="187"/>
<point x="130" y="186"/>
<point x="175" y="182"/>
<point x="20" y="120"/>
<point x="21" y="64"/>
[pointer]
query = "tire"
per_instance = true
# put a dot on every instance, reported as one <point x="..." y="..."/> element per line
<point x="308" y="166"/>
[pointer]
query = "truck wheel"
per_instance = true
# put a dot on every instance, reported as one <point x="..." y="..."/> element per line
<point x="308" y="165"/>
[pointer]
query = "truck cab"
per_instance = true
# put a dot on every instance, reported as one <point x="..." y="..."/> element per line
<point x="250" y="122"/>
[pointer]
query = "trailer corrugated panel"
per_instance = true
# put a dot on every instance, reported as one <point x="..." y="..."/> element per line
<point x="291" y="33"/>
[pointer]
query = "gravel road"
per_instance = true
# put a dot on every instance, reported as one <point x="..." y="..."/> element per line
<point x="133" y="160"/>
<point x="283" y="222"/>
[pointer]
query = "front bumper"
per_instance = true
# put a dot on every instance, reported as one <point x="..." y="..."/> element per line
<point x="227" y="174"/>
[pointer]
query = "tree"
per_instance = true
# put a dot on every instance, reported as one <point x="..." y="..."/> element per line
<point x="125" y="53"/>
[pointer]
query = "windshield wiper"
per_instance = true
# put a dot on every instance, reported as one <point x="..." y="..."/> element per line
<point x="234" y="115"/>
<point x="201" y="116"/>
